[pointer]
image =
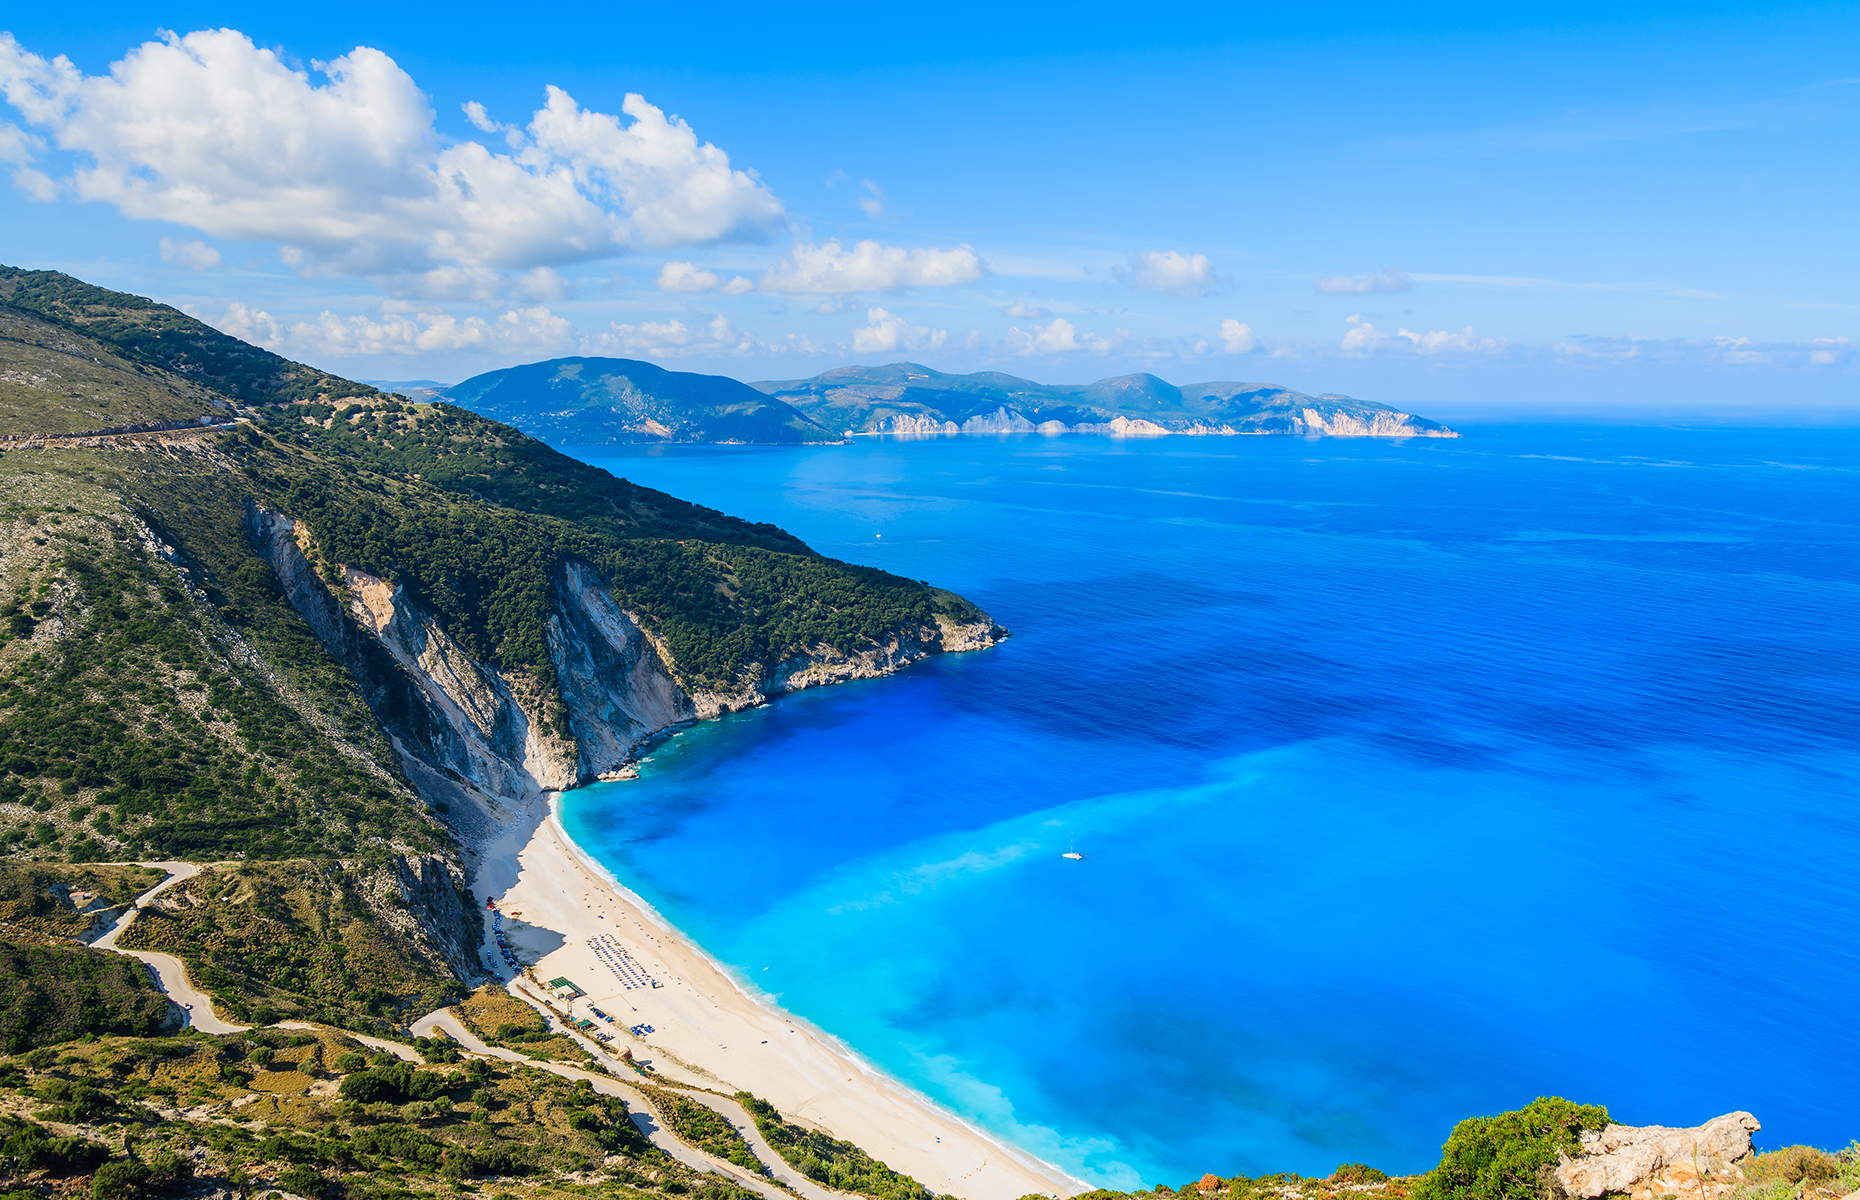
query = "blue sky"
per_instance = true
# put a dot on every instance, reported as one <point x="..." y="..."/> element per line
<point x="1595" y="211"/>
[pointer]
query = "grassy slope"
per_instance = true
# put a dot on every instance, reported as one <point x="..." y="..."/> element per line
<point x="527" y="1129"/>
<point x="56" y="380"/>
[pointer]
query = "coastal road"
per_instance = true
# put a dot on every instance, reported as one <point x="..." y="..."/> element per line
<point x="170" y="973"/>
<point x="645" y="1118"/>
<point x="727" y="1108"/>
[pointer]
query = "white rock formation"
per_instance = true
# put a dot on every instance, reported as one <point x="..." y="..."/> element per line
<point x="1702" y="1161"/>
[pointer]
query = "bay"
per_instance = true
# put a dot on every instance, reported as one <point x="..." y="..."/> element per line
<point x="1415" y="780"/>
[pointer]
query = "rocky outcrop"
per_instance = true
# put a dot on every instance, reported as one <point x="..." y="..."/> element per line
<point x="419" y="896"/>
<point x="472" y="738"/>
<point x="1653" y="1160"/>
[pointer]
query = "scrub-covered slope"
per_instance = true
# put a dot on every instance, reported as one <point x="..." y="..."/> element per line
<point x="345" y="630"/>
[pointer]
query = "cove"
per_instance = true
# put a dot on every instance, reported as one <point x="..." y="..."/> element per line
<point x="1415" y="780"/>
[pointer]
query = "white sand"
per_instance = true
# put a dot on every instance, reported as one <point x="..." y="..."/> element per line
<point x="708" y="1030"/>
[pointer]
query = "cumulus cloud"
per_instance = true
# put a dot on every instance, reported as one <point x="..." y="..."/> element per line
<point x="195" y="255"/>
<point x="884" y="333"/>
<point x="1059" y="337"/>
<point x="1363" y="338"/>
<point x="683" y="277"/>
<point x="1171" y="273"/>
<point x="675" y="339"/>
<point x="870" y="267"/>
<point x="1363" y="285"/>
<point x="1236" y="337"/>
<point x="349" y="174"/>
<point x="1022" y="311"/>
<point x="517" y="331"/>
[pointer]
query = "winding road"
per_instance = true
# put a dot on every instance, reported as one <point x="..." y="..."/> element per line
<point x="170" y="974"/>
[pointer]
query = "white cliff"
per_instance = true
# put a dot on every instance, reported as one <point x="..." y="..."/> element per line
<point x="479" y="740"/>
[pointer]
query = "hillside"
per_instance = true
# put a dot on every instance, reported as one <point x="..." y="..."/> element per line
<point x="597" y="401"/>
<point x="905" y="398"/>
<point x="338" y="638"/>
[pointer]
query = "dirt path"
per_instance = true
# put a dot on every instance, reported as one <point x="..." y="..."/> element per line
<point x="641" y="1110"/>
<point x="170" y="973"/>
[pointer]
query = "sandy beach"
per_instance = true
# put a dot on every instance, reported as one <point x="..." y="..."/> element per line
<point x="562" y="911"/>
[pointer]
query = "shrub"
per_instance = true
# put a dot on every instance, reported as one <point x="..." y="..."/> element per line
<point x="1358" y="1173"/>
<point x="1793" y="1164"/>
<point x="1506" y="1157"/>
<point x="120" y="1180"/>
<point x="392" y="1085"/>
<point x="350" y="1062"/>
<point x="302" y="1179"/>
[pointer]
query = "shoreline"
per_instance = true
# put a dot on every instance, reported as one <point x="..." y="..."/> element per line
<point x="709" y="1029"/>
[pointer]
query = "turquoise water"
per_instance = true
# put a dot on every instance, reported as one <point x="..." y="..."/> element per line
<point x="1416" y="780"/>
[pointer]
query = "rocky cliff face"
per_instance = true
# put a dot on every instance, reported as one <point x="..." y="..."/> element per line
<point x="473" y="738"/>
<point x="1644" y="1162"/>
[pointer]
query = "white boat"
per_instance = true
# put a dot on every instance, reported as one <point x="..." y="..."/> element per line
<point x="1073" y="854"/>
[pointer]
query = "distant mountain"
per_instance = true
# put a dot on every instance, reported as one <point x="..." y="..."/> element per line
<point x="906" y="398"/>
<point x="418" y="390"/>
<point x="596" y="401"/>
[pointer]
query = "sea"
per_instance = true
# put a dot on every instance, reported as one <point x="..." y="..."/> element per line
<point x="1413" y="780"/>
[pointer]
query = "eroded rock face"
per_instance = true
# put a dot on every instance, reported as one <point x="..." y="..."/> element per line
<point x="1650" y="1161"/>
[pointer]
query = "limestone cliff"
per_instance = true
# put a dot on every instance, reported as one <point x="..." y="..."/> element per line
<point x="473" y="737"/>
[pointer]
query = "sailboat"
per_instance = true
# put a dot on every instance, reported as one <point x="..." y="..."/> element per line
<point x="1073" y="853"/>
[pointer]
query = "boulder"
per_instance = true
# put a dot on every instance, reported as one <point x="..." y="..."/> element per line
<point x="1651" y="1161"/>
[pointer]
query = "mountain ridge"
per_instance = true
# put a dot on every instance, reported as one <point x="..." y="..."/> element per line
<point x="594" y="401"/>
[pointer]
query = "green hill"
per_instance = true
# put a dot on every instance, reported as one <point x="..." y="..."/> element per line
<point x="594" y="401"/>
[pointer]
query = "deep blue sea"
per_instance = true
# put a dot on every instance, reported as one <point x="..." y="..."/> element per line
<point x="1416" y="780"/>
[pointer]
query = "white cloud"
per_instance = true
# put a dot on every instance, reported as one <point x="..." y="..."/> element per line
<point x="884" y="333"/>
<point x="684" y="277"/>
<point x="675" y="339"/>
<point x="195" y="255"/>
<point x="874" y="201"/>
<point x="1059" y="337"/>
<point x="870" y="267"/>
<point x="1738" y="350"/>
<point x="16" y="145"/>
<point x="1171" y="273"/>
<point x="1362" y="285"/>
<point x="1237" y="337"/>
<point x="1020" y="310"/>
<point x="475" y="113"/>
<point x="36" y="184"/>
<point x="1363" y="338"/>
<point x="517" y="331"/>
<point x="210" y="131"/>
<point x="738" y="286"/>
<point x="1827" y="351"/>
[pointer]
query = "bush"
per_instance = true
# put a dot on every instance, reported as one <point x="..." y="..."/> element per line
<point x="350" y="1062"/>
<point x="1358" y="1173"/>
<point x="302" y="1179"/>
<point x="1507" y="1157"/>
<point x="120" y="1180"/>
<point x="1793" y="1164"/>
<point x="397" y="1084"/>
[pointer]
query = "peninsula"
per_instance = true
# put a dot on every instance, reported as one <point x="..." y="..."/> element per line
<point x="597" y="401"/>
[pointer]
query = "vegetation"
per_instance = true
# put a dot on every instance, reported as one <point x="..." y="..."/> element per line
<point x="251" y="1112"/>
<point x="297" y="939"/>
<point x="829" y="1160"/>
<point x="154" y="335"/>
<point x="43" y="898"/>
<point x="1507" y="1157"/>
<point x="500" y="1019"/>
<point x="53" y="993"/>
<point x="701" y="1126"/>
<point x="485" y="554"/>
